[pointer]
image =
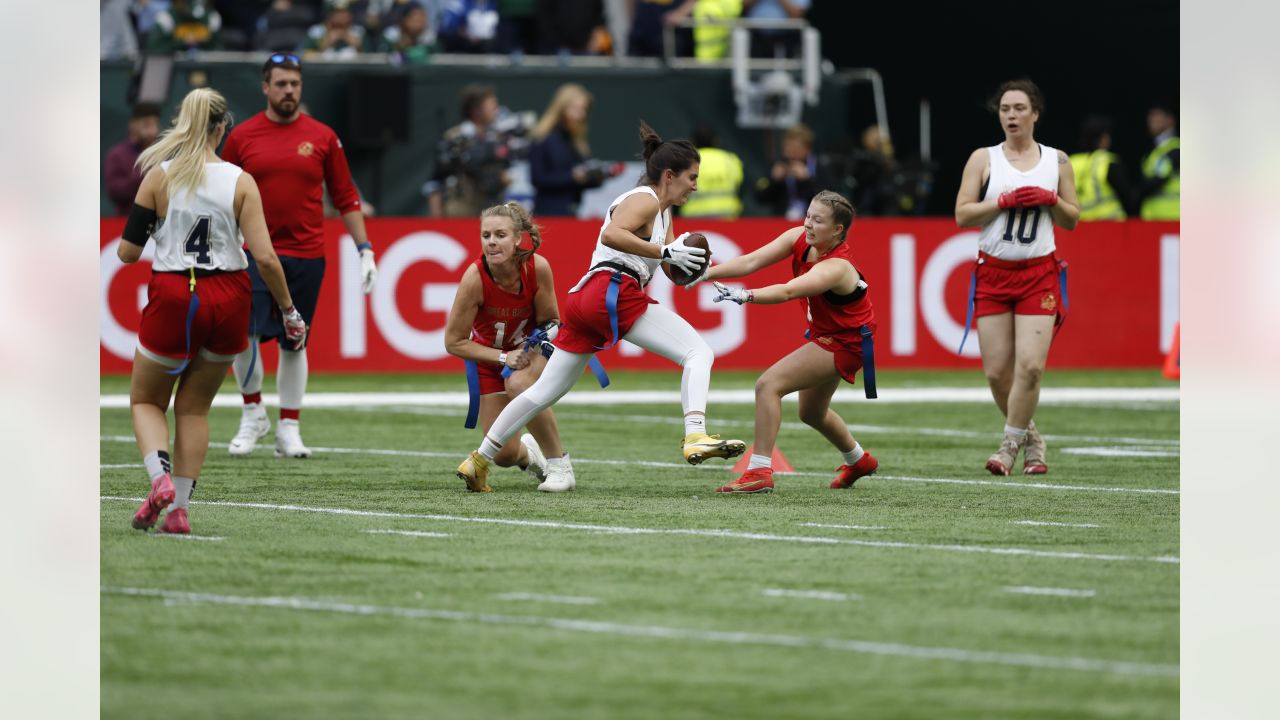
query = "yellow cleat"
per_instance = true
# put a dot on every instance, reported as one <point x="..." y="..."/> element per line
<point x="700" y="446"/>
<point x="474" y="471"/>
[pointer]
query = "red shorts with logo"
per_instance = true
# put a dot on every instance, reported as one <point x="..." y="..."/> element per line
<point x="221" y="324"/>
<point x="1023" y="287"/>
<point x="586" y="317"/>
<point x="846" y="348"/>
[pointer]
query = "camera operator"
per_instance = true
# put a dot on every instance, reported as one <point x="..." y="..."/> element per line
<point x="474" y="157"/>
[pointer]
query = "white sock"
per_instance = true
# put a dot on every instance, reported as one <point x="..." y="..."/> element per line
<point x="183" y="486"/>
<point x="854" y="455"/>
<point x="489" y="449"/>
<point x="291" y="379"/>
<point x="157" y="464"/>
<point x="1016" y="432"/>
<point x="760" y="461"/>
<point x="250" y="382"/>
<point x="695" y="424"/>
<point x="557" y="461"/>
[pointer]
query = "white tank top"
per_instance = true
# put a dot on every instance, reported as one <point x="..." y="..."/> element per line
<point x="643" y="267"/>
<point x="1019" y="233"/>
<point x="200" y="229"/>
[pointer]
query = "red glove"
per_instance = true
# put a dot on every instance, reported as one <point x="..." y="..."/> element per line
<point x="1009" y="200"/>
<point x="1031" y="196"/>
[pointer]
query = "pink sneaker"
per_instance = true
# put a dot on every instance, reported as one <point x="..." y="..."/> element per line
<point x="175" y="522"/>
<point x="161" y="496"/>
<point x="847" y="475"/>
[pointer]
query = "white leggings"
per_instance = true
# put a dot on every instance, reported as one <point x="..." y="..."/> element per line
<point x="658" y="330"/>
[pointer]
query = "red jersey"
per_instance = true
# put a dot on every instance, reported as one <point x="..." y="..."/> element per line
<point x="830" y="314"/>
<point x="289" y="161"/>
<point x="505" y="317"/>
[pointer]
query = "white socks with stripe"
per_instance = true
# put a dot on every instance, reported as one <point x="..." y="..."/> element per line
<point x="157" y="464"/>
<point x="183" y="487"/>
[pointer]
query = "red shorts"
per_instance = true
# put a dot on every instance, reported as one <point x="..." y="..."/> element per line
<point x="848" y="352"/>
<point x="491" y="380"/>
<point x="221" y="324"/>
<point x="1023" y="287"/>
<point x="586" y="317"/>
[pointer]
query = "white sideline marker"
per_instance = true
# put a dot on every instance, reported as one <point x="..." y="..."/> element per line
<point x="843" y="527"/>
<point x="1119" y="452"/>
<point x="1042" y="523"/>
<point x="557" y="599"/>
<point x="180" y="536"/>
<point x="692" y="532"/>
<point x="116" y="466"/>
<point x="1114" y="667"/>
<point x="408" y="533"/>
<point x="1056" y="592"/>
<point x="810" y="594"/>
<point x="719" y="468"/>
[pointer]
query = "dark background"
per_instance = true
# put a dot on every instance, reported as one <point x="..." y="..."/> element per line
<point x="1087" y="57"/>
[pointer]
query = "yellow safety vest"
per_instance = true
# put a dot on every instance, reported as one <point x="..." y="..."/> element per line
<point x="711" y="42"/>
<point x="719" y="177"/>
<point x="1098" y="200"/>
<point x="1166" y="204"/>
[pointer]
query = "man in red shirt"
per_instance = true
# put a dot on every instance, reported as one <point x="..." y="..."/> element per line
<point x="291" y="156"/>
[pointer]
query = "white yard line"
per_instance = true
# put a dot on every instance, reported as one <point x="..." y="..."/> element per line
<point x="844" y="527"/>
<point x="720" y="468"/>
<point x="408" y="533"/>
<point x="675" y="419"/>
<point x="118" y="466"/>
<point x="660" y="632"/>
<point x="179" y="536"/>
<point x="1119" y="452"/>
<point x="731" y="534"/>
<point x="1041" y="523"/>
<point x="555" y="599"/>
<point x="810" y="594"/>
<point x="1056" y="592"/>
<point x="979" y="395"/>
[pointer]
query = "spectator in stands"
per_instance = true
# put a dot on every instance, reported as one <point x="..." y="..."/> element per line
<point x="284" y="26"/>
<point x="1161" y="180"/>
<point x="121" y="175"/>
<point x="558" y="160"/>
<point x="711" y="42"/>
<point x="719" y="180"/>
<point x="240" y="20"/>
<point x="186" y="25"/>
<point x="116" y="38"/>
<point x="412" y="40"/>
<point x="338" y="36"/>
<point x="473" y="159"/>
<point x="1101" y="183"/>
<point x="570" y="26"/>
<point x="469" y="26"/>
<point x="770" y="43"/>
<point x="517" y="26"/>
<point x="872" y="170"/>
<point x="648" y="19"/>
<point x="794" y="180"/>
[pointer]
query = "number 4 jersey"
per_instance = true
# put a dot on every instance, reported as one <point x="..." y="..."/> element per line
<point x="200" y="228"/>
<point x="1019" y="233"/>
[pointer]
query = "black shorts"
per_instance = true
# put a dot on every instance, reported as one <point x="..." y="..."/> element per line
<point x="303" y="276"/>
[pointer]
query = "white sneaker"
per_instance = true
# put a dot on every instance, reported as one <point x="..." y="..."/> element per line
<point x="289" y="441"/>
<point x="559" y="478"/>
<point x="537" y="461"/>
<point x="253" y="425"/>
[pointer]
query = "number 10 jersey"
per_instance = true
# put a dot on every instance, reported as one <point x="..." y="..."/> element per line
<point x="1019" y="233"/>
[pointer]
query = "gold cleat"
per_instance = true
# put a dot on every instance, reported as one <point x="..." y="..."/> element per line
<point x="700" y="446"/>
<point x="474" y="471"/>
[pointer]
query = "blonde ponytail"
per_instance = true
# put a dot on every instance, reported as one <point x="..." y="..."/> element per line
<point x="202" y="111"/>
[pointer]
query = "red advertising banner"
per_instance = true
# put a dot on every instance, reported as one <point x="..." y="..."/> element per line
<point x="1122" y="294"/>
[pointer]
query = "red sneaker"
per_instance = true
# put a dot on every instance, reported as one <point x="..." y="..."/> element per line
<point x="759" y="480"/>
<point x="847" y="475"/>
<point x="175" y="522"/>
<point x="161" y="496"/>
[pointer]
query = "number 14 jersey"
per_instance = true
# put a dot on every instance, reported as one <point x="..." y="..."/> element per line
<point x="1019" y="233"/>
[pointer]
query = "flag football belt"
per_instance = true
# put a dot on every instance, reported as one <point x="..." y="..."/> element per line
<point x="985" y="259"/>
<point x="611" y="296"/>
<point x="538" y="338"/>
<point x="192" y="307"/>
<point x="868" y="360"/>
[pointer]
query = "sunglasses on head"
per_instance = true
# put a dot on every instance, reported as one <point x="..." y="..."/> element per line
<point x="282" y="58"/>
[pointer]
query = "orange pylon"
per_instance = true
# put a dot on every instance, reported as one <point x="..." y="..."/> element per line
<point x="780" y="462"/>
<point x="1173" y="361"/>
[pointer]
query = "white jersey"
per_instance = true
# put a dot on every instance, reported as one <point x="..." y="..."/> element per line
<point x="200" y="229"/>
<point x="642" y="266"/>
<point x="1019" y="233"/>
